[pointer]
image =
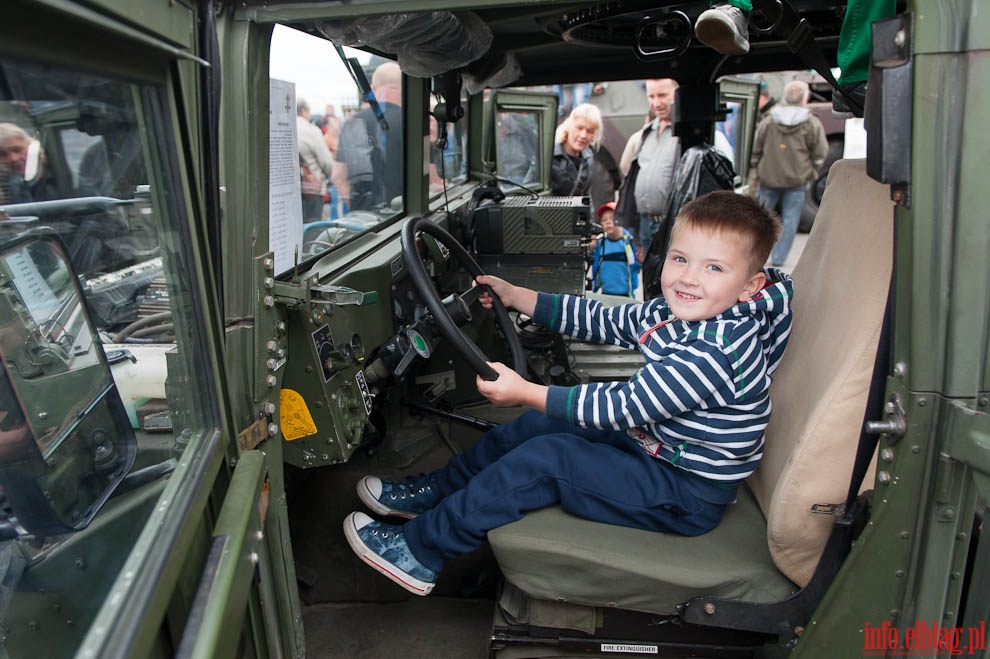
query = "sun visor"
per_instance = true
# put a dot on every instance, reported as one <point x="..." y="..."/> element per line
<point x="425" y="45"/>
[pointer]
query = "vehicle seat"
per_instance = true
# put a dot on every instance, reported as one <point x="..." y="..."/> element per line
<point x="769" y="542"/>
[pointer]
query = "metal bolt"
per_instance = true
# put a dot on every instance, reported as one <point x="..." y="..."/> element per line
<point x="884" y="477"/>
<point x="81" y="563"/>
<point x="900" y="38"/>
<point x="887" y="455"/>
<point x="271" y="380"/>
<point x="905" y="535"/>
<point x="33" y="625"/>
<point x="798" y="630"/>
<point x="900" y="370"/>
<point x="280" y="327"/>
<point x="270" y="364"/>
<point x="42" y="415"/>
<point x="269" y="282"/>
<point x="272" y="429"/>
<point x="269" y="408"/>
<point x="269" y="264"/>
<point x="983" y="401"/>
<point x="254" y="558"/>
<point x="710" y="608"/>
<point x="271" y="346"/>
<point x="899" y="574"/>
<point x="269" y="301"/>
<point x="259" y="536"/>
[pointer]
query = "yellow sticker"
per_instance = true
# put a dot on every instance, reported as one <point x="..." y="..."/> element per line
<point x="294" y="416"/>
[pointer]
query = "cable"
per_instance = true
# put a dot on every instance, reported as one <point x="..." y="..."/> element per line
<point x="139" y="323"/>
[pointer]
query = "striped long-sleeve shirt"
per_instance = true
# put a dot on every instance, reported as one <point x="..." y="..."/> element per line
<point x="702" y="401"/>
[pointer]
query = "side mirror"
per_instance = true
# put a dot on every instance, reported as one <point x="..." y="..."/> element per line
<point x="65" y="439"/>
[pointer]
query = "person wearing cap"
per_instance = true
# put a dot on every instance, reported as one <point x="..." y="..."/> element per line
<point x="615" y="269"/>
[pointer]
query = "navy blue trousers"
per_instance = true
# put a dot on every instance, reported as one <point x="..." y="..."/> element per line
<point x="535" y="462"/>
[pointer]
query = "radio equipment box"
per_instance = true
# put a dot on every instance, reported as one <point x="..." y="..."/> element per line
<point x="533" y="225"/>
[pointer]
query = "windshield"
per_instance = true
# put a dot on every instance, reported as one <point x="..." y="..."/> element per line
<point x="335" y="161"/>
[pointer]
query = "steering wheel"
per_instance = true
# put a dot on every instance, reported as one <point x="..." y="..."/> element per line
<point x="448" y="328"/>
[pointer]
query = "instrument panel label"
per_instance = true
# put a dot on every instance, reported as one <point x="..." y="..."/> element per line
<point x="363" y="387"/>
<point x="294" y="416"/>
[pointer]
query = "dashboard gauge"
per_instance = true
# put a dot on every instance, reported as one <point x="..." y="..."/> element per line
<point x="357" y="347"/>
<point x="323" y="343"/>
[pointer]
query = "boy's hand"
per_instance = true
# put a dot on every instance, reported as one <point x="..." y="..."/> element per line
<point x="511" y="389"/>
<point x="499" y="287"/>
<point x="513" y="297"/>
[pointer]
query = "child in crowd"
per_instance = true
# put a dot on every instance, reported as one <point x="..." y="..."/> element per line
<point x="664" y="451"/>
<point x="615" y="269"/>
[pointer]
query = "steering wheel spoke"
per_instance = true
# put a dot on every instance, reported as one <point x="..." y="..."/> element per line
<point x="440" y="309"/>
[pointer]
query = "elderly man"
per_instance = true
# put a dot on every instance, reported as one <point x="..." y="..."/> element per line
<point x="789" y="148"/>
<point x="368" y="169"/>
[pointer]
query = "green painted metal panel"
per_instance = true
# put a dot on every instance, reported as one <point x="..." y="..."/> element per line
<point x="216" y="619"/>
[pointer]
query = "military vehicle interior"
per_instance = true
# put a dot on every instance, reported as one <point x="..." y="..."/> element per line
<point x="371" y="334"/>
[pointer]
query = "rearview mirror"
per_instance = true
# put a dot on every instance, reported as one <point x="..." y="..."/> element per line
<point x="65" y="440"/>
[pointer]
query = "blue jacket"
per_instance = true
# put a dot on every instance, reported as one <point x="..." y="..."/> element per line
<point x="701" y="402"/>
<point x="615" y="270"/>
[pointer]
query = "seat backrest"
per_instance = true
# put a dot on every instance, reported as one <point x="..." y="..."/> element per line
<point x="819" y="391"/>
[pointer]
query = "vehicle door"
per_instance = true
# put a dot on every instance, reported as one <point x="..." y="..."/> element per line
<point x="163" y="558"/>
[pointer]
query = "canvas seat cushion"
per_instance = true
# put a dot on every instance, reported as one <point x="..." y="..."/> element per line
<point x="639" y="570"/>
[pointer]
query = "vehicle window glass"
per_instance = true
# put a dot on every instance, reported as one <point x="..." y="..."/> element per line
<point x="518" y="148"/>
<point x="350" y="176"/>
<point x="90" y="158"/>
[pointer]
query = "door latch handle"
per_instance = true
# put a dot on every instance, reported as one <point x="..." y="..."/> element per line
<point x="894" y="426"/>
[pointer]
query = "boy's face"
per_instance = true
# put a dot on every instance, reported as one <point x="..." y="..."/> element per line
<point x="706" y="273"/>
<point x="609" y="226"/>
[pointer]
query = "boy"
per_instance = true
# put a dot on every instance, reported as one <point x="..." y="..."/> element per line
<point x="615" y="269"/>
<point x="664" y="451"/>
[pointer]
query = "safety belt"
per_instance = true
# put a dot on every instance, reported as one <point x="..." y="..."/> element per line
<point x="787" y="24"/>
<point x="874" y="410"/>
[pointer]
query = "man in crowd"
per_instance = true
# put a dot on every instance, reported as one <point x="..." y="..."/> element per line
<point x="789" y="148"/>
<point x="315" y="163"/>
<point x="657" y="155"/>
<point x="368" y="170"/>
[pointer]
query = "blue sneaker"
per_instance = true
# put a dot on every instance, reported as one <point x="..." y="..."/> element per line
<point x="397" y="498"/>
<point x="384" y="547"/>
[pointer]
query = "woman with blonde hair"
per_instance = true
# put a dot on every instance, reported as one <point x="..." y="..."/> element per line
<point x="575" y="142"/>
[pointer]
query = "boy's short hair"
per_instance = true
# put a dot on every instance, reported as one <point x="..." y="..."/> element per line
<point x="725" y="211"/>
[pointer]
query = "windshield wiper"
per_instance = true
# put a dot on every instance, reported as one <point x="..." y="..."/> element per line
<point x="361" y="80"/>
